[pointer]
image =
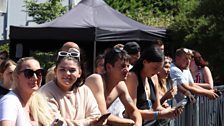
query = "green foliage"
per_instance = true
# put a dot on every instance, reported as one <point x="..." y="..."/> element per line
<point x="46" y="58"/>
<point x="200" y="26"/>
<point x="44" y="12"/>
<point x="4" y="47"/>
<point x="154" y="13"/>
<point x="196" y="24"/>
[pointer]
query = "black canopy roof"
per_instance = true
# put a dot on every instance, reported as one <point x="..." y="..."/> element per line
<point x="91" y="24"/>
<point x="90" y="20"/>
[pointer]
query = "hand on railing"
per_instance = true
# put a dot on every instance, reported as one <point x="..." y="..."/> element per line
<point x="190" y="97"/>
<point x="172" y="112"/>
<point x="211" y="94"/>
<point x="171" y="93"/>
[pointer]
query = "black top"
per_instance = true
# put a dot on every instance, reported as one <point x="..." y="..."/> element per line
<point x="142" y="101"/>
<point x="3" y="90"/>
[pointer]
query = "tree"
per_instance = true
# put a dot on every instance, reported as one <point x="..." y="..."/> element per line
<point x="201" y="28"/>
<point x="149" y="12"/>
<point x="44" y="12"/>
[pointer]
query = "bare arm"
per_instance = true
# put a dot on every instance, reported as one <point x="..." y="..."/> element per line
<point x="157" y="105"/>
<point x="132" y="84"/>
<point x="207" y="78"/>
<point x="95" y="83"/>
<point x="195" y="89"/>
<point x="130" y="108"/>
<point x="169" y="94"/>
<point x="7" y="123"/>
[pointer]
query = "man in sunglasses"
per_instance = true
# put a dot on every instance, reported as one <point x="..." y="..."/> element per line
<point x="181" y="75"/>
<point x="109" y="86"/>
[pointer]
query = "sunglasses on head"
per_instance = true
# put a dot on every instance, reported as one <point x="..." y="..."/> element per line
<point x="73" y="53"/>
<point x="28" y="73"/>
<point x="188" y="51"/>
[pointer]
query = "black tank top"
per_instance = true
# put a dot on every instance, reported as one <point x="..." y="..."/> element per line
<point x="142" y="102"/>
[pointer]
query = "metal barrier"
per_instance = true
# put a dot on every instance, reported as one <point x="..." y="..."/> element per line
<point x="204" y="112"/>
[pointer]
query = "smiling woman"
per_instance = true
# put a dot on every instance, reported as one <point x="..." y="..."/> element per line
<point x="70" y="100"/>
<point x="15" y="108"/>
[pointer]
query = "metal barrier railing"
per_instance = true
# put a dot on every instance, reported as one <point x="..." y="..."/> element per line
<point x="204" y="112"/>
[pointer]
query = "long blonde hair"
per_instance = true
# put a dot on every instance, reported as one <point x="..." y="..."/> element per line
<point x="39" y="109"/>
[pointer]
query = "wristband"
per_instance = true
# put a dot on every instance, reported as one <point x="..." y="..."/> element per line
<point x="155" y="115"/>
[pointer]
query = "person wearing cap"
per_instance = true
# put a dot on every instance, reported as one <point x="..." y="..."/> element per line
<point x="133" y="49"/>
<point x="181" y="76"/>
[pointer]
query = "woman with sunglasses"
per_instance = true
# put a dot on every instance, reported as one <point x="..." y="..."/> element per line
<point x="144" y="91"/>
<point x="68" y="97"/>
<point x="15" y="107"/>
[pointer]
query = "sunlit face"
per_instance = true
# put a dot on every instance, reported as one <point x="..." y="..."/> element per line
<point x="151" y="68"/>
<point x="164" y="72"/>
<point x="7" y="76"/>
<point x="29" y="84"/>
<point x="120" y="69"/>
<point x="67" y="72"/>
<point x="183" y="61"/>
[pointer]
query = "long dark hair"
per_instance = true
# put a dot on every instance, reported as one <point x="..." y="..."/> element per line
<point x="199" y="60"/>
<point x="151" y="54"/>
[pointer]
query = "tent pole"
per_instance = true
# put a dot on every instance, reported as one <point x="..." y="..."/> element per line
<point x="94" y="55"/>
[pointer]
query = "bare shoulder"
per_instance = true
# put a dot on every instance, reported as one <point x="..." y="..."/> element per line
<point x="94" y="81"/>
<point x="93" y="78"/>
<point x="132" y="74"/>
<point x="132" y="78"/>
<point x="122" y="87"/>
<point x="206" y="69"/>
<point x="155" y="79"/>
<point x="132" y="81"/>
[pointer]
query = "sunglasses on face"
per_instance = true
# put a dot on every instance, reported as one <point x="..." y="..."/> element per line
<point x="28" y="73"/>
<point x="74" y="54"/>
<point x="167" y="62"/>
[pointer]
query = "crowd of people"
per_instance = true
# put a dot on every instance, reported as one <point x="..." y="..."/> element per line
<point x="139" y="87"/>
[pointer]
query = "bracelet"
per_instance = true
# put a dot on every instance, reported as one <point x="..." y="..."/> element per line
<point x="155" y="115"/>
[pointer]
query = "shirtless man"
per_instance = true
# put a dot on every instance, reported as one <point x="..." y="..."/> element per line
<point x="110" y="85"/>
